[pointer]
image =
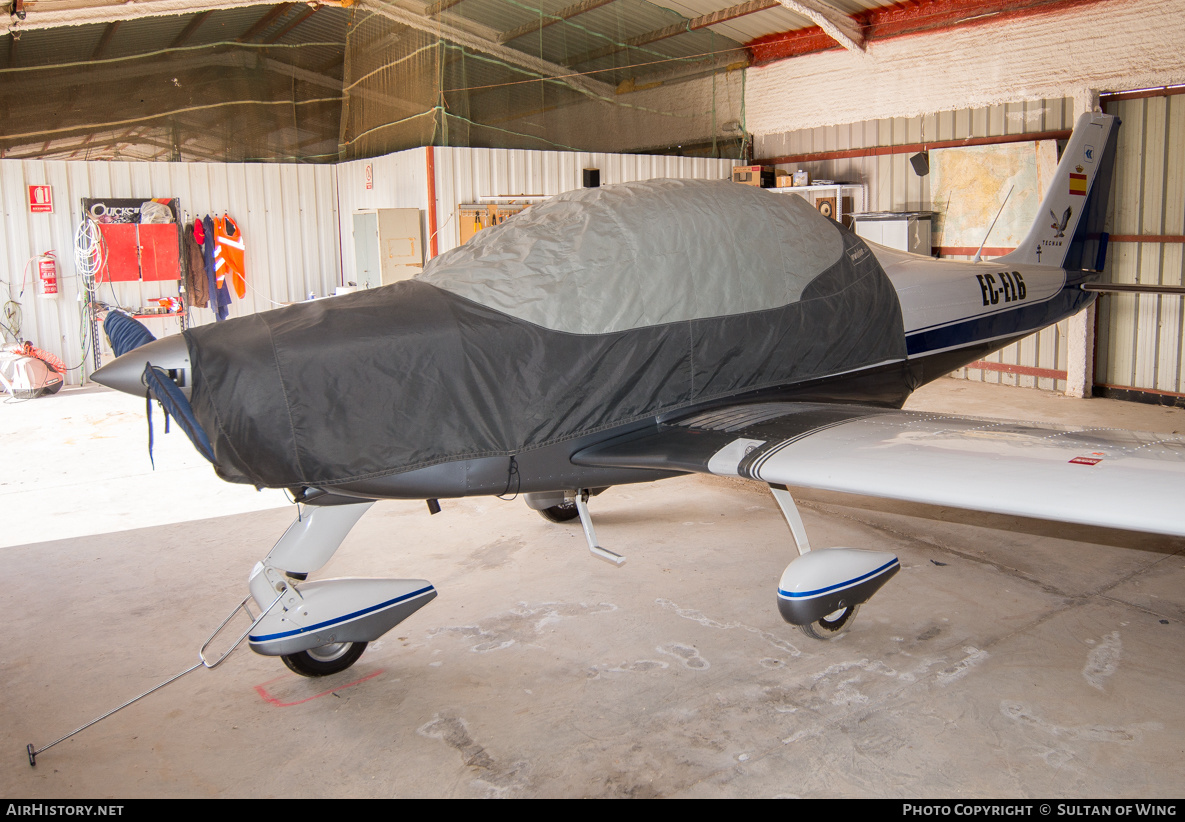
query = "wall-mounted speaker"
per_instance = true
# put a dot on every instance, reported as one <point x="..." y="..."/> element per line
<point x="920" y="163"/>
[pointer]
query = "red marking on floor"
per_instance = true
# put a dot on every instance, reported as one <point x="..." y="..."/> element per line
<point x="261" y="689"/>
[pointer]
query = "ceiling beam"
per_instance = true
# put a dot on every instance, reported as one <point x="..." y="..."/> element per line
<point x="263" y="22"/>
<point x="550" y="19"/>
<point x="543" y="68"/>
<point x="296" y="21"/>
<point x="441" y="5"/>
<point x="695" y="23"/>
<point x="842" y="28"/>
<point x="915" y="17"/>
<point x="726" y="61"/>
<point x="193" y="25"/>
<point x="337" y="62"/>
<point x="105" y="40"/>
<point x="289" y="70"/>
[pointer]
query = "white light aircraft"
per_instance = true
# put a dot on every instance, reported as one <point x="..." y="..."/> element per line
<point x="638" y="332"/>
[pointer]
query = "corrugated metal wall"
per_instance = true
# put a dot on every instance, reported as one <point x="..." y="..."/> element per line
<point x="1140" y="338"/>
<point x="893" y="186"/>
<point x="287" y="213"/>
<point x="464" y="175"/>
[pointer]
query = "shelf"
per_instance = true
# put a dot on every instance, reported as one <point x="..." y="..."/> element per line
<point x="829" y="187"/>
<point x="838" y="190"/>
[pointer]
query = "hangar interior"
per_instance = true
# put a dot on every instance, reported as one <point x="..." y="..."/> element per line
<point x="1041" y="670"/>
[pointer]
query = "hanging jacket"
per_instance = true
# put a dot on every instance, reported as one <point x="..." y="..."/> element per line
<point x="219" y="294"/>
<point x="197" y="284"/>
<point x="228" y="253"/>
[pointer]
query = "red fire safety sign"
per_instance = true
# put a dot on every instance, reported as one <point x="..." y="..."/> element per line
<point x="41" y="199"/>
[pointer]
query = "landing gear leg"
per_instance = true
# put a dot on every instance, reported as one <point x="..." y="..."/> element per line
<point x="320" y="628"/>
<point x="821" y="591"/>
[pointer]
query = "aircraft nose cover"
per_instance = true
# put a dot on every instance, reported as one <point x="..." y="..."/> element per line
<point x="594" y="309"/>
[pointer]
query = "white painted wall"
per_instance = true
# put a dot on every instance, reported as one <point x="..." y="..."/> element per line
<point x="398" y="180"/>
<point x="1099" y="46"/>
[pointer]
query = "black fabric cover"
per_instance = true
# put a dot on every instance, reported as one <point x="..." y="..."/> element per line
<point x="410" y="375"/>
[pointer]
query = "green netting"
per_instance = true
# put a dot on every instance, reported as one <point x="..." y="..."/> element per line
<point x="319" y="84"/>
<point x="584" y="83"/>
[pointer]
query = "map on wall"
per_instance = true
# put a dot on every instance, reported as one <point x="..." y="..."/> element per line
<point x="968" y="186"/>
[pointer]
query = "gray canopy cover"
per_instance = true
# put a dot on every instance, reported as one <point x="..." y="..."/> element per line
<point x="594" y="309"/>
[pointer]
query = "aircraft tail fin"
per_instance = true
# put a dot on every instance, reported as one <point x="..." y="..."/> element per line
<point x="1068" y="231"/>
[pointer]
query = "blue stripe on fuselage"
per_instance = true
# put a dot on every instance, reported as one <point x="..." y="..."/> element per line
<point x="1014" y="322"/>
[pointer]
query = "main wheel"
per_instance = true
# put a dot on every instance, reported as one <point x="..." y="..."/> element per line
<point x="566" y="511"/>
<point x="832" y="625"/>
<point x="326" y="660"/>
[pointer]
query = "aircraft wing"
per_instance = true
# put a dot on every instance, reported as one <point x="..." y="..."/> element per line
<point x="1104" y="477"/>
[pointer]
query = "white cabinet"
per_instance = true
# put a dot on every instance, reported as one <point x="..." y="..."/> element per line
<point x="906" y="231"/>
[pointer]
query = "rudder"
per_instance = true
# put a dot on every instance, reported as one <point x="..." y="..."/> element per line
<point x="1068" y="230"/>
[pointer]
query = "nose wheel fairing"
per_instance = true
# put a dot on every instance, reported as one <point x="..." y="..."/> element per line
<point x="314" y="618"/>
<point x="332" y="611"/>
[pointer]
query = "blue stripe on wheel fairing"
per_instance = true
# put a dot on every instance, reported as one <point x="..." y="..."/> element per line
<point x="847" y="584"/>
<point x="344" y="618"/>
<point x="1018" y="321"/>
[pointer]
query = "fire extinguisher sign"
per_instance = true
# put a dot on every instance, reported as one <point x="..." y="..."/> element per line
<point x="41" y="199"/>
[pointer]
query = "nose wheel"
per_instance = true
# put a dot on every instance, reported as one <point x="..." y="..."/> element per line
<point x="832" y="625"/>
<point x="325" y="660"/>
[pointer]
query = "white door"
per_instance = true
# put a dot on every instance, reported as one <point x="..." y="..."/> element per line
<point x="367" y="271"/>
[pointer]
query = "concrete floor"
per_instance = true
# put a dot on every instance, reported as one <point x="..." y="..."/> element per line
<point x="1009" y="658"/>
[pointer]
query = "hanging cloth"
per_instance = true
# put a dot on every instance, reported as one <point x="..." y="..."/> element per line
<point x="219" y="294"/>
<point x="228" y="253"/>
<point x="197" y="285"/>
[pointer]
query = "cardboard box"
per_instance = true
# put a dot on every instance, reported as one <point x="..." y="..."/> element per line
<point x="754" y="175"/>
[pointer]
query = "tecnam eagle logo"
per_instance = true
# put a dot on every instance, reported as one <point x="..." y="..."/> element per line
<point x="1060" y="225"/>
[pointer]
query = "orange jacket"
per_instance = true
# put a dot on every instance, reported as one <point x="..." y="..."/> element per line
<point x="228" y="253"/>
